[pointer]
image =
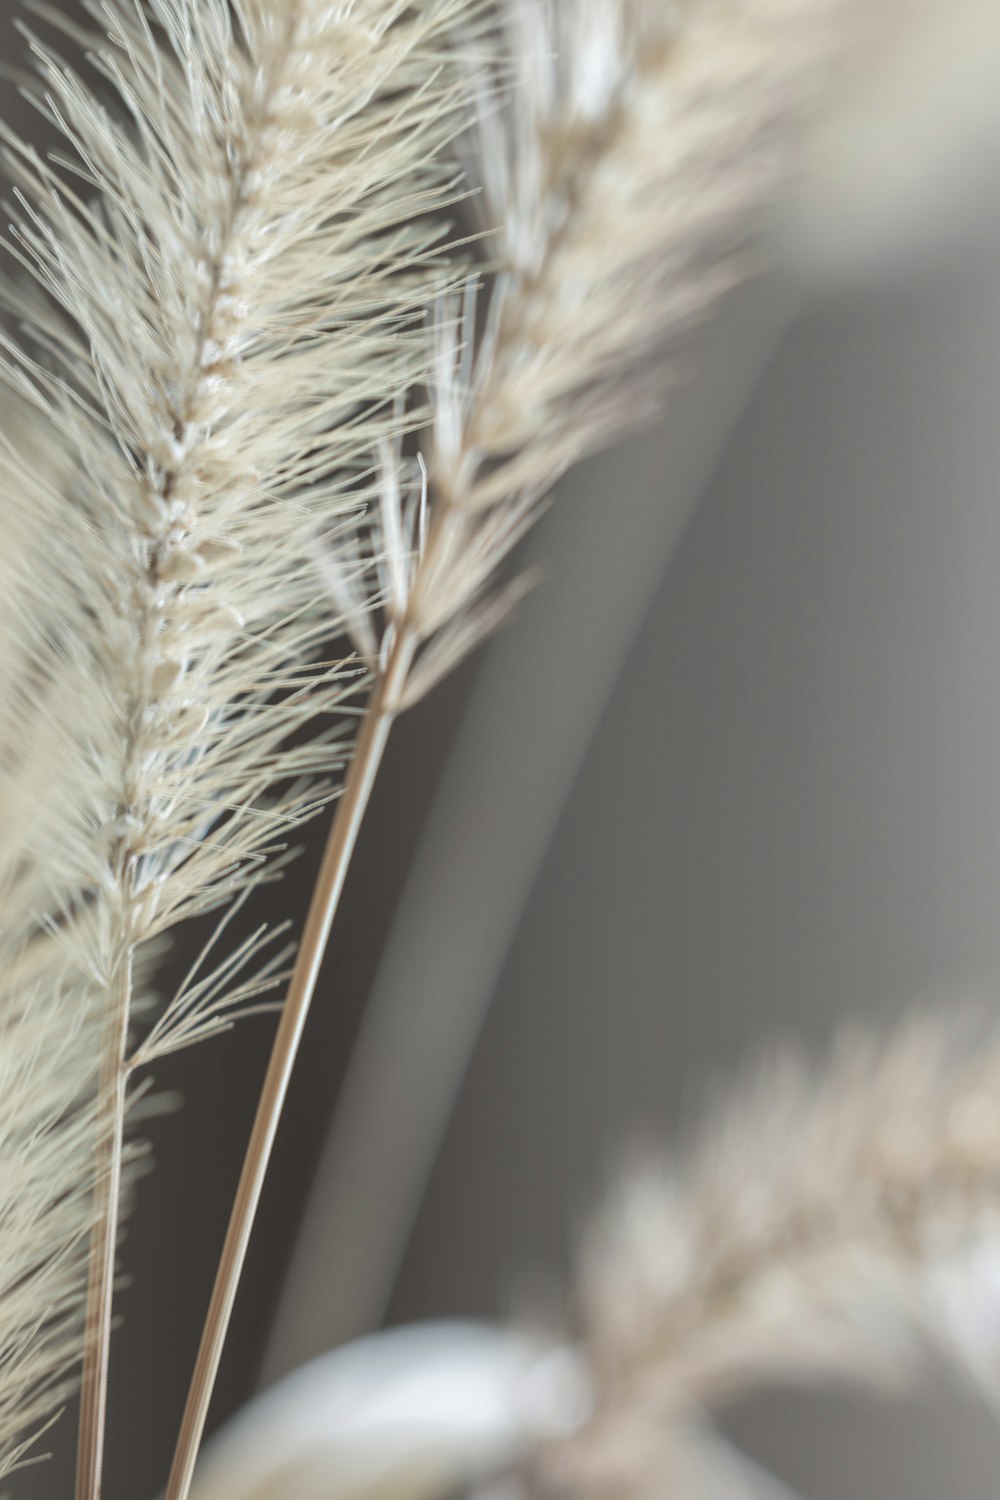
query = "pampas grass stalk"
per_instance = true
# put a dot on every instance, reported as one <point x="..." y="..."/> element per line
<point x="665" y="125"/>
<point x="227" y="322"/>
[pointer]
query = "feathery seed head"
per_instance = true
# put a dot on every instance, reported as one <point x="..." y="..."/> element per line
<point x="822" y="1225"/>
<point x="229" y="276"/>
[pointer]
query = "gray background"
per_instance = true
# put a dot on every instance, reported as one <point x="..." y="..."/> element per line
<point x="790" y="817"/>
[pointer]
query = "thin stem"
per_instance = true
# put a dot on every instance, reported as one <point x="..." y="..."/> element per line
<point x="100" y="1287"/>
<point x="325" y="900"/>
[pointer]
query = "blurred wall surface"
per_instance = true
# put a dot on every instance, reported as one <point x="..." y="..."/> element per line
<point x="789" y="818"/>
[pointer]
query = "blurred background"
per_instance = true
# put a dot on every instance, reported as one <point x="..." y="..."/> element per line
<point x="732" y="777"/>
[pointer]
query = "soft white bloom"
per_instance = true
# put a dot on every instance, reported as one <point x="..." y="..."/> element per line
<point x="413" y="1414"/>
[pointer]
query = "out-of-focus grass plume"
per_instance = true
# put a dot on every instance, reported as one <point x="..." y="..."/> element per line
<point x="824" y="1224"/>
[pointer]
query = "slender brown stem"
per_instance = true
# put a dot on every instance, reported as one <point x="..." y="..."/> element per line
<point x="100" y="1287"/>
<point x="326" y="897"/>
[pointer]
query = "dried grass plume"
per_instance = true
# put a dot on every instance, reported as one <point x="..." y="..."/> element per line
<point x="824" y="1224"/>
